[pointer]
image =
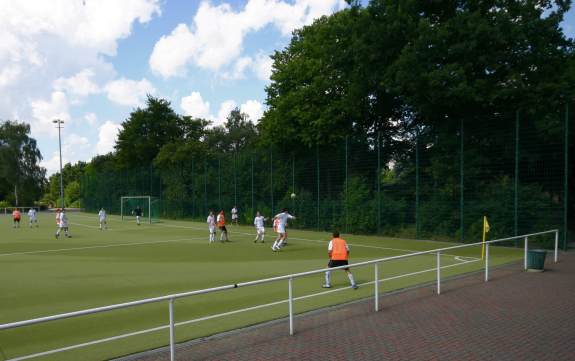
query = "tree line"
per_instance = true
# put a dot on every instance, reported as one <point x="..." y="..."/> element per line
<point x="420" y="92"/>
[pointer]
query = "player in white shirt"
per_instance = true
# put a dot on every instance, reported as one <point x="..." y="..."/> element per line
<point x="32" y="217"/>
<point x="282" y="219"/>
<point x="62" y="224"/>
<point x="102" y="219"/>
<point x="235" y="217"/>
<point x="260" y="229"/>
<point x="211" y="221"/>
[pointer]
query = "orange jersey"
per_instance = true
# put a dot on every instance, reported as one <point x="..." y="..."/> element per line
<point x="275" y="224"/>
<point x="16" y="214"/>
<point x="339" y="250"/>
<point x="221" y="220"/>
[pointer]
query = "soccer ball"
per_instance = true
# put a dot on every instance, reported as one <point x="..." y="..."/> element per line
<point x="292" y="195"/>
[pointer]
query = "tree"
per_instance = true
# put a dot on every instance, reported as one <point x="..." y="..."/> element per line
<point x="19" y="167"/>
<point x="145" y="132"/>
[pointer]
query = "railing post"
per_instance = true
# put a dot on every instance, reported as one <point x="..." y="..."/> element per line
<point x="172" y="337"/>
<point x="486" y="262"/>
<point x="556" y="244"/>
<point x="290" y="292"/>
<point x="376" y="287"/>
<point x="438" y="273"/>
<point x="525" y="255"/>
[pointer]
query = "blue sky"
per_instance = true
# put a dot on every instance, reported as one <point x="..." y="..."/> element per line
<point x="91" y="62"/>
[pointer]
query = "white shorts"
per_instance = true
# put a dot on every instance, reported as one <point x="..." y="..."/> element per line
<point x="260" y="230"/>
<point x="234" y="216"/>
<point x="281" y="228"/>
<point x="102" y="220"/>
<point x="212" y="229"/>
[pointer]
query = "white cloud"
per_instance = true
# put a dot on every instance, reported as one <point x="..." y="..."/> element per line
<point x="91" y="119"/>
<point x="45" y="111"/>
<point x="253" y="109"/>
<point x="107" y="136"/>
<point x="80" y="84"/>
<point x="239" y="68"/>
<point x="215" y="39"/>
<point x="195" y="106"/>
<point x="225" y="109"/>
<point x="74" y="148"/>
<point x="129" y="92"/>
<point x="262" y="66"/>
<point x="51" y="53"/>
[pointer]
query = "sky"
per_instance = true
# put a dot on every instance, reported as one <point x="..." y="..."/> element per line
<point x="91" y="62"/>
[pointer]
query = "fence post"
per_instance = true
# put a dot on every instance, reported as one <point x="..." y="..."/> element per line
<point x="172" y="336"/>
<point x="346" y="181"/>
<point x="461" y="191"/>
<point x="516" y="180"/>
<point x="486" y="262"/>
<point x="272" y="178"/>
<point x="378" y="182"/>
<point x="556" y="244"/>
<point x="566" y="177"/>
<point x="376" y="284"/>
<point x="290" y="295"/>
<point x="417" y="184"/>
<point x="439" y="272"/>
<point x="525" y="254"/>
<point x="317" y="163"/>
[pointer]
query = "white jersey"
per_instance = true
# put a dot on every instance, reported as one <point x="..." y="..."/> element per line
<point x="32" y="213"/>
<point x="282" y="220"/>
<point x="234" y="213"/>
<point x="259" y="222"/>
<point x="63" y="220"/>
<point x="102" y="215"/>
<point x="211" y="222"/>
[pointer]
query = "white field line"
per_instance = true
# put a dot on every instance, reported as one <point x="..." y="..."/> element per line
<point x="206" y="318"/>
<point x="324" y="242"/>
<point x="101" y="246"/>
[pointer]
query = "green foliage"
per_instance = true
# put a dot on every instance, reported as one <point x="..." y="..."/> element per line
<point x="21" y="177"/>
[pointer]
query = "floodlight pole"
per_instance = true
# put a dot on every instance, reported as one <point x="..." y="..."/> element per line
<point x="59" y="123"/>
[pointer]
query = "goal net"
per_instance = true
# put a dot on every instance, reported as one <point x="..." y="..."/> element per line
<point x="148" y="204"/>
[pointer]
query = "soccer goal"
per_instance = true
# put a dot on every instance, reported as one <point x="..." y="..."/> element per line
<point x="148" y="204"/>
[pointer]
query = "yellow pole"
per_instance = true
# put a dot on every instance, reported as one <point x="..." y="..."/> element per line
<point x="483" y="239"/>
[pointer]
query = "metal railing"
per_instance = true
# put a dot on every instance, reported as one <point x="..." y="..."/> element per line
<point x="171" y="298"/>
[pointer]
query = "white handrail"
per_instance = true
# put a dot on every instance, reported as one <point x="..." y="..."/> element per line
<point x="172" y="297"/>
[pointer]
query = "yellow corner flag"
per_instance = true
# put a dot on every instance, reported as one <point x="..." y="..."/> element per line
<point x="485" y="230"/>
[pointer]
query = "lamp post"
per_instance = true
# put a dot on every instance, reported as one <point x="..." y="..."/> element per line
<point x="59" y="123"/>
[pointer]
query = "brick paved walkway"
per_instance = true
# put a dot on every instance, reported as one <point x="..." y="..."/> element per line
<point x="515" y="316"/>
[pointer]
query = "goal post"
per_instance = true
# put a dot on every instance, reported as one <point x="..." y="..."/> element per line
<point x="24" y="209"/>
<point x="148" y="204"/>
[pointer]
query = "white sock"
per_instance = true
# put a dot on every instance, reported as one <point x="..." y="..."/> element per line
<point x="350" y="276"/>
<point x="327" y="278"/>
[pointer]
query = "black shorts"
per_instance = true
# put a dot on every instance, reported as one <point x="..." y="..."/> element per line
<point x="223" y="228"/>
<point x="337" y="263"/>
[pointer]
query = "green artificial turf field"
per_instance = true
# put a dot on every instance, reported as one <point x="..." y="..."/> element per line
<point x="42" y="276"/>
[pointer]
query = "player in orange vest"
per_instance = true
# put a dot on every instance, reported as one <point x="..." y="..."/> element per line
<point x="221" y="219"/>
<point x="16" y="218"/>
<point x="338" y="251"/>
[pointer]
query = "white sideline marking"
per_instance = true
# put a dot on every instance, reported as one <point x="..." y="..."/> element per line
<point x="182" y="323"/>
<point x="101" y="246"/>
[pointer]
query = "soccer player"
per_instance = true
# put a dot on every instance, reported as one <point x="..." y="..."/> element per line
<point x="58" y="217"/>
<point x="138" y="213"/>
<point x="235" y="217"/>
<point x="62" y="224"/>
<point x="221" y="219"/>
<point x="102" y="219"/>
<point x="260" y="229"/>
<point x="32" y="218"/>
<point x="338" y="252"/>
<point x="16" y="218"/>
<point x="282" y="218"/>
<point x="211" y="221"/>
